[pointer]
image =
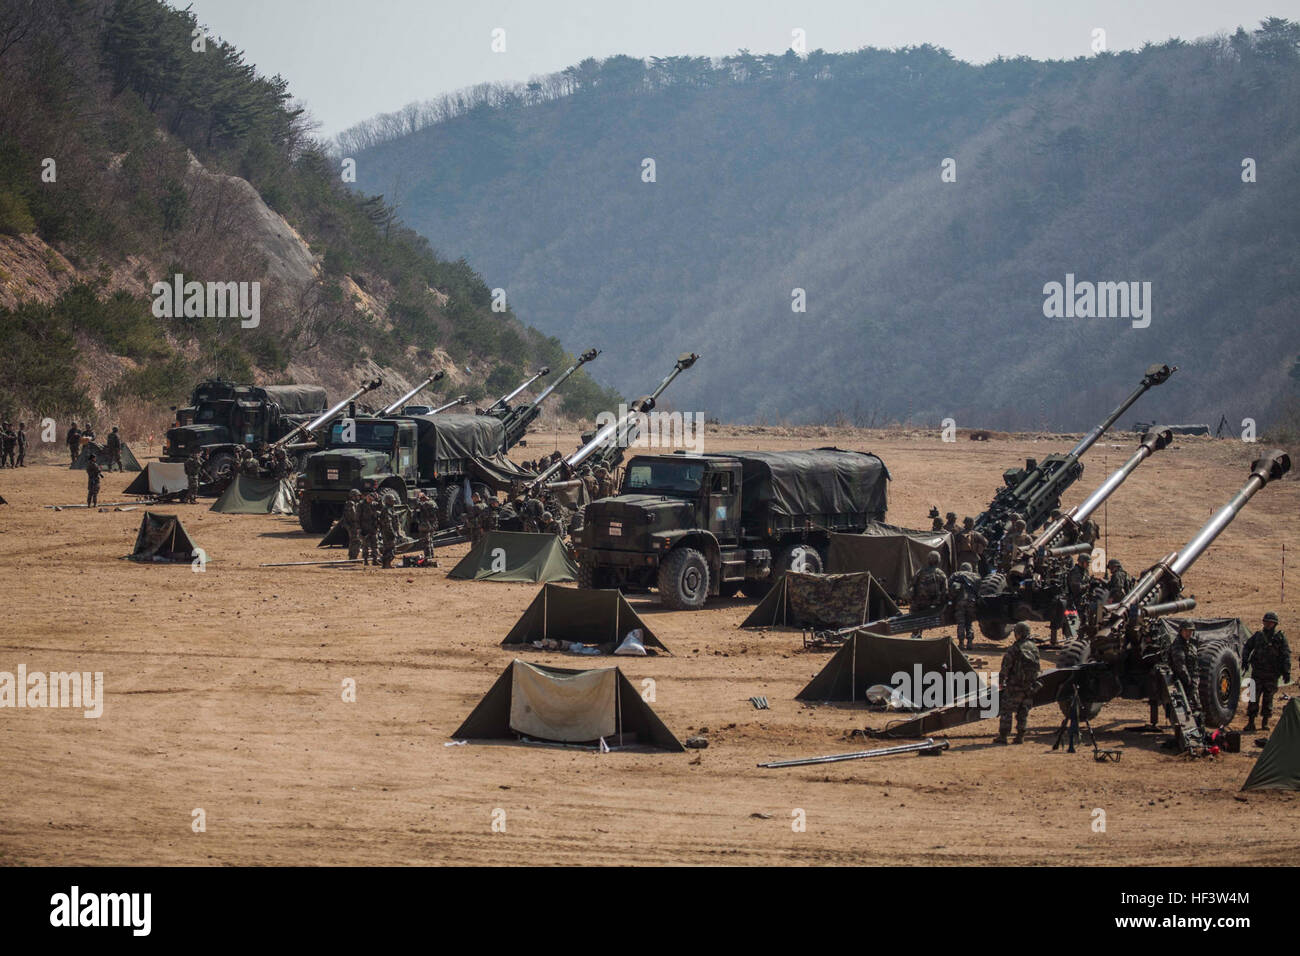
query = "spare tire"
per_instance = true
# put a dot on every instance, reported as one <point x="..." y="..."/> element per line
<point x="1220" y="682"/>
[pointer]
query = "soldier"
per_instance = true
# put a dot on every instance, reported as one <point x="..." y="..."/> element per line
<point x="969" y="545"/>
<point x="87" y="433"/>
<point x="1015" y="539"/>
<point x="92" y="482"/>
<point x="950" y="522"/>
<point x="1017" y="681"/>
<point x="604" y="483"/>
<point x="962" y="589"/>
<point x="22" y="444"/>
<point x="550" y="526"/>
<point x="389" y="531"/>
<point x="368" y="522"/>
<point x="1089" y="532"/>
<point x="280" y="466"/>
<point x="74" y="442"/>
<point x="589" y="482"/>
<point x="248" y="465"/>
<point x="1182" y="660"/>
<point x="113" y="445"/>
<point x="193" y="466"/>
<point x="1268" y="655"/>
<point x="1119" y="582"/>
<point x="1078" y="582"/>
<point x="929" y="587"/>
<point x="352" y="522"/>
<point x="8" y="439"/>
<point x="426" y="521"/>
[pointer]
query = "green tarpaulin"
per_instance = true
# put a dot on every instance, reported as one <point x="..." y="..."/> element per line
<point x="558" y="705"/>
<point x="893" y="555"/>
<point x="866" y="659"/>
<point x="516" y="556"/>
<point x="162" y="538"/>
<point x="601" y="618"/>
<point x="822" y="601"/>
<point x="257" y="496"/>
<point x="129" y="462"/>
<point x="1278" y="766"/>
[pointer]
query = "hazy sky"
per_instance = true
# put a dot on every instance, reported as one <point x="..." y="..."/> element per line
<point x="351" y="59"/>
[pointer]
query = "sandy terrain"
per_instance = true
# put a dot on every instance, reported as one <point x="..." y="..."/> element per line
<point x="223" y="692"/>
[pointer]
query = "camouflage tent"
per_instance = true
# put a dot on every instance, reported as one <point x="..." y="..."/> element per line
<point x="162" y="538"/>
<point x="159" y="478"/>
<point x="557" y="705"/>
<point x="257" y="496"/>
<point x="892" y="554"/>
<point x="823" y="601"/>
<point x="1278" y="766"/>
<point x="129" y="461"/>
<point x="866" y="659"/>
<point x="600" y="618"/>
<point x="515" y="556"/>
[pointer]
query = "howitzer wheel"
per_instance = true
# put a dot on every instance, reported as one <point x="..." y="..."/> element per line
<point x="994" y="630"/>
<point x="1220" y="683"/>
<point x="1073" y="654"/>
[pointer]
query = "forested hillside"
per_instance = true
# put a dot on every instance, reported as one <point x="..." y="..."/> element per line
<point x="924" y="297"/>
<point x="133" y="147"/>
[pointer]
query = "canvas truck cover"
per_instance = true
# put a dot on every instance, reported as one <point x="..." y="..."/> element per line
<point x="782" y="487"/>
<point x="893" y="555"/>
<point x="1228" y="629"/>
<point x="448" y="438"/>
<point x="297" y="399"/>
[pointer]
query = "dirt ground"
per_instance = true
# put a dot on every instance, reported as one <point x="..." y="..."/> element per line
<point x="223" y="692"/>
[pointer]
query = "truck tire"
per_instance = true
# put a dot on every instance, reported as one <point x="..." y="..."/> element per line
<point x="1220" y="683"/>
<point x="684" y="580"/>
<point x="1073" y="654"/>
<point x="807" y="557"/>
<point x="992" y="584"/>
<point x="220" y="467"/>
<point x="452" y="505"/>
<point x="313" y="518"/>
<point x="994" y="630"/>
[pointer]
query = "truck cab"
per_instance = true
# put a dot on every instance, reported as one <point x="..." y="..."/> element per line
<point x="368" y="454"/>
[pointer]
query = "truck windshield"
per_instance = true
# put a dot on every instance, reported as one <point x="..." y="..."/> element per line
<point x="216" y="412"/>
<point x="676" y="477"/>
<point x="363" y="433"/>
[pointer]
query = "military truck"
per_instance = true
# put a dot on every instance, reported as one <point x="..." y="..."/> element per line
<point x="221" y="415"/>
<point x="696" y="525"/>
<point x="440" y="454"/>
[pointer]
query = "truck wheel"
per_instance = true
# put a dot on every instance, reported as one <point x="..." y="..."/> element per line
<point x="684" y="580"/>
<point x="220" y="467"/>
<point x="452" y="504"/>
<point x="589" y="578"/>
<point x="800" y="557"/>
<point x="1073" y="654"/>
<point x="1220" y="683"/>
<point x="314" y="519"/>
<point x="994" y="630"/>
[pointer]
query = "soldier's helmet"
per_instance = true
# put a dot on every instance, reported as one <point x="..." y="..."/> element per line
<point x="114" y="428"/>
<point x="968" y="522"/>
<point x="932" y="559"/>
<point x="1112" y="564"/>
<point x="601" y="472"/>
<point x="965" y="566"/>
<point x="1186" y="626"/>
<point x="546" y="516"/>
<point x="951" y="516"/>
<point x="493" y="504"/>
<point x="1018" y="525"/>
<point x="1270" y="616"/>
<point x="92" y="457"/>
<point x="421" y="496"/>
<point x="1021" y="630"/>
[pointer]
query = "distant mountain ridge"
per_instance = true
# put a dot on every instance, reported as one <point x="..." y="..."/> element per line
<point x="925" y="298"/>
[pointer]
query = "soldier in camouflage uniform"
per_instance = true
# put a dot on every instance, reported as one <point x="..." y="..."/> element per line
<point x="368" y="521"/>
<point x="963" y="588"/>
<point x="426" y="522"/>
<point x="248" y="465"/>
<point x="1268" y="655"/>
<point x="389" y="530"/>
<point x="1182" y="658"/>
<point x="1119" y="582"/>
<point x="92" y="482"/>
<point x="352" y="523"/>
<point x="193" y="465"/>
<point x="929" y="589"/>
<point x="604" y="482"/>
<point x="1015" y="539"/>
<point x="1017" y="681"/>
<point x="550" y="526"/>
<point x="950" y="522"/>
<point x="21" y="438"/>
<point x="969" y="546"/>
<point x="1078" y="582"/>
<point x="113" y="445"/>
<point x="74" y="442"/>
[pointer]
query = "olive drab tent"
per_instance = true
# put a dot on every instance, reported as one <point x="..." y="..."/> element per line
<point x="159" y="478"/>
<point x="129" y="462"/>
<point x="596" y="618"/>
<point x="822" y="601"/>
<point x="867" y="659"/>
<point x="893" y="555"/>
<point x="1278" y="765"/>
<point x="336" y="537"/>
<point x="530" y="702"/>
<point x="162" y="538"/>
<point x="257" y="496"/>
<point x="516" y="556"/>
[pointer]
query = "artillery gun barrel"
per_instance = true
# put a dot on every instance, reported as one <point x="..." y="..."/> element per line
<point x="583" y="359"/>
<point x="1066" y="550"/>
<point x="461" y="400"/>
<point x="330" y="413"/>
<point x="1152" y="442"/>
<point x="1169" y="607"/>
<point x="504" y="400"/>
<point x="396" y="406"/>
<point x="1155" y="375"/>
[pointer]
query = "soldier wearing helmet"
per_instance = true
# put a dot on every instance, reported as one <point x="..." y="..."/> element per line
<point x="1017" y="681"/>
<point x="1268" y="655"/>
<point x="352" y="523"/>
<point x="963" y="587"/>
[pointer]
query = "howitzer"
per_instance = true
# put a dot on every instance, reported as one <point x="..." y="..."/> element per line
<point x="322" y="419"/>
<point x="607" y="444"/>
<point x="397" y="405"/>
<point x="517" y="420"/>
<point x="460" y="400"/>
<point x="502" y="404"/>
<point x="1034" y="491"/>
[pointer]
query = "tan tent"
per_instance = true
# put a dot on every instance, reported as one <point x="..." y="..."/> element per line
<point x="531" y="702"/>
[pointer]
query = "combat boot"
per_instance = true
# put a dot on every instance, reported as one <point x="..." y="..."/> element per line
<point x="1018" y="738"/>
<point x="1000" y="740"/>
<point x="1250" y="726"/>
<point x="1263" y="722"/>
